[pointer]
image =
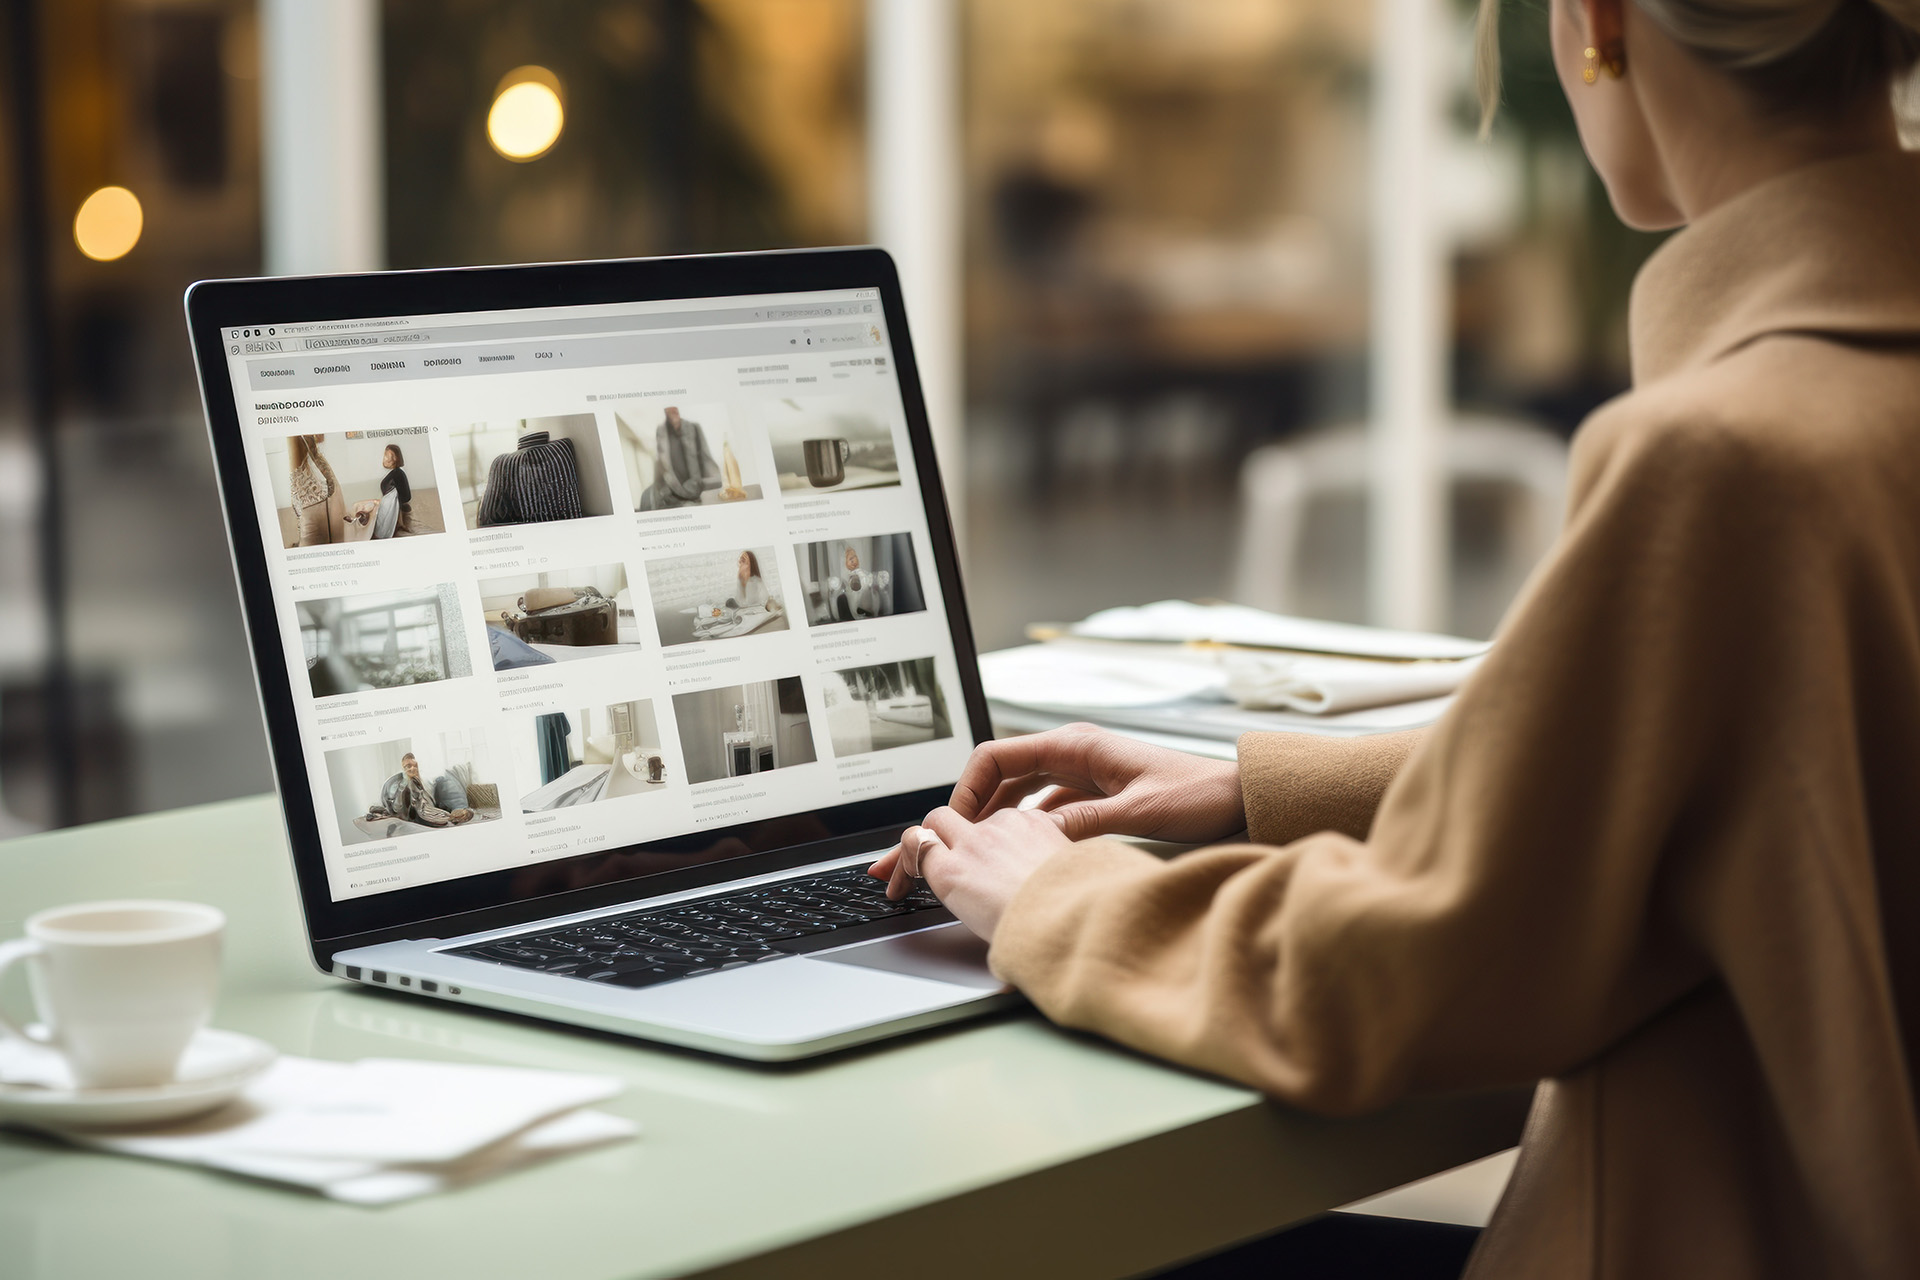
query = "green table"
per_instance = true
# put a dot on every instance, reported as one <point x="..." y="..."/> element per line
<point x="1003" y="1147"/>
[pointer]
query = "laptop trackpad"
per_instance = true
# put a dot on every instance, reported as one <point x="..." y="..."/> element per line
<point x="945" y="953"/>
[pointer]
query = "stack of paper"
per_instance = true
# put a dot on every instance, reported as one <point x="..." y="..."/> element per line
<point x="1214" y="672"/>
<point x="384" y="1130"/>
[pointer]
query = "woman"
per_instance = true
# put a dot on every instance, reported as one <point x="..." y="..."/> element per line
<point x="396" y="485"/>
<point x="416" y="802"/>
<point x="684" y="466"/>
<point x="1661" y="853"/>
<point x="320" y="510"/>
<point x="752" y="592"/>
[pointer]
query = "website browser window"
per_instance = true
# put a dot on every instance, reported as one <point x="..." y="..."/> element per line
<point x="561" y="581"/>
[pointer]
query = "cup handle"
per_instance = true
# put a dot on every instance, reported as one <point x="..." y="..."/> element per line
<point x="18" y="949"/>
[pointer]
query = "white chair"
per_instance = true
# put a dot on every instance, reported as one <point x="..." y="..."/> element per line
<point x="1280" y="483"/>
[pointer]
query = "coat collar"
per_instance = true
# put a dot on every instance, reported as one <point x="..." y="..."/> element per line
<point x="1830" y="249"/>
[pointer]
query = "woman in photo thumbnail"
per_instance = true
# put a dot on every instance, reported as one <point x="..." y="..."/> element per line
<point x="406" y="786"/>
<point x="753" y="593"/>
<point x="394" y="487"/>
<point x="717" y="595"/>
<point x="688" y="459"/>
<point x="684" y="465"/>
<point x="365" y="486"/>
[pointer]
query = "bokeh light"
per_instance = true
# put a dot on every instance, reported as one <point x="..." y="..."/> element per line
<point x="108" y="224"/>
<point x="527" y="117"/>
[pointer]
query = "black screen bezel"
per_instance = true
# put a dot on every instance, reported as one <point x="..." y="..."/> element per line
<point x="499" y="898"/>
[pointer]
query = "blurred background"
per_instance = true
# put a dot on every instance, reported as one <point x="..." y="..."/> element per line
<point x="1151" y="248"/>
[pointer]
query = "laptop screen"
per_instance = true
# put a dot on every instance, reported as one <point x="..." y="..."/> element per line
<point x="559" y="582"/>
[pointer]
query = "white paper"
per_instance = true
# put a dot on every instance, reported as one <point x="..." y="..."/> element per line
<point x="384" y="1129"/>
<point x="1093" y="676"/>
<point x="370" y="1183"/>
<point x="1176" y="621"/>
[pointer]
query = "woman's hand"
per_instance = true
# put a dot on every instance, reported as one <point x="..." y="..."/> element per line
<point x="1108" y="784"/>
<point x="974" y="867"/>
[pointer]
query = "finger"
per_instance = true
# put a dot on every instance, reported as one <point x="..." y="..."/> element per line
<point x="1085" y="819"/>
<point x="1060" y="797"/>
<point x="882" y="867"/>
<point x="906" y="867"/>
<point x="1015" y="792"/>
<point x="947" y="824"/>
<point x="994" y="762"/>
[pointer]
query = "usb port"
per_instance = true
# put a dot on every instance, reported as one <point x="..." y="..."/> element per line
<point x="378" y="975"/>
<point x="353" y="972"/>
<point x="427" y="984"/>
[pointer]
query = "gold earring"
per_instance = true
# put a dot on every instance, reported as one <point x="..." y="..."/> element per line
<point x="1615" y="61"/>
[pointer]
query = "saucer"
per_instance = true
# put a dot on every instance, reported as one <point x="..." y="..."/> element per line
<point x="215" y="1068"/>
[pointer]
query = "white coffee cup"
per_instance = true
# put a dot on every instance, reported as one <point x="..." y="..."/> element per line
<point x="121" y="986"/>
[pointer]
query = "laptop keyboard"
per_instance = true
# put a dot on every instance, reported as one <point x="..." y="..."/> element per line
<point x="705" y="935"/>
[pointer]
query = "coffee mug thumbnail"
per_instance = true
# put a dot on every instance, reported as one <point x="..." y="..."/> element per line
<point x="826" y="460"/>
<point x="121" y="987"/>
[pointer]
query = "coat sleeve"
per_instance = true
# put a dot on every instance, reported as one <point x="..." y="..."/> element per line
<point x="1497" y="923"/>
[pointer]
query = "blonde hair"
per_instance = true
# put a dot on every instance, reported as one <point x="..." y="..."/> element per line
<point x="1805" y="54"/>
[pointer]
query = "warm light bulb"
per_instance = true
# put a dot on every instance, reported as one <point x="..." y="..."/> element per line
<point x="108" y="224"/>
<point x="526" y="117"/>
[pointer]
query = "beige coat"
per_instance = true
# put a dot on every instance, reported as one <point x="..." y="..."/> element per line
<point x="1664" y="851"/>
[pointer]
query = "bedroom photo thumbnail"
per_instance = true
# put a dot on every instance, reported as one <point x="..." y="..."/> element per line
<point x="354" y="486"/>
<point x="744" y="729"/>
<point x="716" y="595"/>
<point x="383" y="639"/>
<point x="558" y="615"/>
<point x="829" y="444"/>
<point x="530" y="470"/>
<point x="687" y="456"/>
<point x="594" y="753"/>
<point x="848" y="579"/>
<point x="407" y="786"/>
<point x="877" y="708"/>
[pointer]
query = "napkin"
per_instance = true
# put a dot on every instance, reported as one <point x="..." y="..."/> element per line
<point x="383" y="1130"/>
<point x="1326" y="686"/>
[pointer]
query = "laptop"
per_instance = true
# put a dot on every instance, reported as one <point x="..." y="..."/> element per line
<point x="607" y="625"/>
